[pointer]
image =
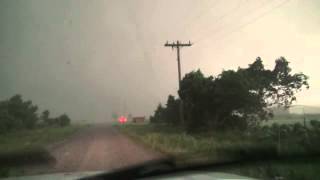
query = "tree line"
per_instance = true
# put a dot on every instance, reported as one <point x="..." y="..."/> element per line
<point x="16" y="113"/>
<point x="234" y="99"/>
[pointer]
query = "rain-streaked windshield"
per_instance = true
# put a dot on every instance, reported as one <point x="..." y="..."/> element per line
<point x="100" y="85"/>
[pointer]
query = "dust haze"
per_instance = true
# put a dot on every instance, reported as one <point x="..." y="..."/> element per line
<point x="91" y="58"/>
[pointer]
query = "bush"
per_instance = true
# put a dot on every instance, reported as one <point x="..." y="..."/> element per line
<point x="315" y="124"/>
<point x="63" y="120"/>
<point x="299" y="129"/>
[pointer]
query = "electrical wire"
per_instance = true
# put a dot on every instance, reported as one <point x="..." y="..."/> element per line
<point x="220" y="28"/>
<point x="238" y="28"/>
<point x="199" y="16"/>
<point x="221" y="17"/>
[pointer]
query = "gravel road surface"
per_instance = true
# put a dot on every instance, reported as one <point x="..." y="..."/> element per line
<point x="100" y="147"/>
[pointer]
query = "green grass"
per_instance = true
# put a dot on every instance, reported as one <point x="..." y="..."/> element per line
<point x="304" y="169"/>
<point x="219" y="147"/>
<point x="21" y="139"/>
<point x="27" y="147"/>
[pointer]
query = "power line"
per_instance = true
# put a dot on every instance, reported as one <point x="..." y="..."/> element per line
<point x="179" y="23"/>
<point x="250" y="22"/>
<point x="199" y="16"/>
<point x="237" y="7"/>
<point x="217" y="29"/>
<point x="219" y="18"/>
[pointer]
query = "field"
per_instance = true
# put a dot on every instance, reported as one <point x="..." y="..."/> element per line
<point x="259" y="158"/>
<point x="293" y="118"/>
<point x="28" y="147"/>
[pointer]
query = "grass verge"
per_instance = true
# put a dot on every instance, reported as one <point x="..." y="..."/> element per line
<point x="28" y="147"/>
<point x="266" y="161"/>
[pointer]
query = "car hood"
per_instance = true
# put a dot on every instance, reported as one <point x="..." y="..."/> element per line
<point x="178" y="176"/>
<point x="204" y="175"/>
<point x="56" y="176"/>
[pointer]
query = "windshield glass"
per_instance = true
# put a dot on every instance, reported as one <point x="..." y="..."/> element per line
<point x="101" y="85"/>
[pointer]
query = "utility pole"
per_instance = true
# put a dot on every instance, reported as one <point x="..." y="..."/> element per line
<point x="304" y="117"/>
<point x="178" y="45"/>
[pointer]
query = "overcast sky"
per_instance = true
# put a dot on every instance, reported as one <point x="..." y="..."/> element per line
<point x="91" y="58"/>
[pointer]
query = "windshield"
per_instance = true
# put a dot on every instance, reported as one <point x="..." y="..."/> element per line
<point x="100" y="85"/>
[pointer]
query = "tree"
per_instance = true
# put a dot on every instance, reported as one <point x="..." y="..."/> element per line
<point x="24" y="112"/>
<point x="15" y="113"/>
<point x="171" y="112"/>
<point x="45" y="117"/>
<point x="7" y="122"/>
<point x="285" y="84"/>
<point x="195" y="93"/>
<point x="168" y="114"/>
<point x="63" y="120"/>
<point x="235" y="98"/>
<point x="158" y="116"/>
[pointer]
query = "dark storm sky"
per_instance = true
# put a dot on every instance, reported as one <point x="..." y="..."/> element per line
<point x="91" y="58"/>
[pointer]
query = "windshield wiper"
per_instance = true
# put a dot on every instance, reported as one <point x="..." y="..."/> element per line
<point x="145" y="169"/>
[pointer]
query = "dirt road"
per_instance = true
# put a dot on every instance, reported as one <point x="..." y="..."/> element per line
<point x="100" y="147"/>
